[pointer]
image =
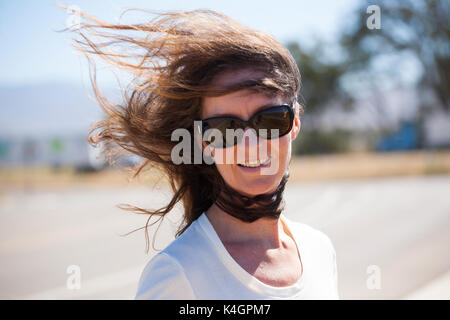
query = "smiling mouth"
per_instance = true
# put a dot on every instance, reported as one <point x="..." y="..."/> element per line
<point x="254" y="164"/>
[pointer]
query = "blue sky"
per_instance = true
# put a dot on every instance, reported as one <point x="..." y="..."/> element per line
<point x="32" y="52"/>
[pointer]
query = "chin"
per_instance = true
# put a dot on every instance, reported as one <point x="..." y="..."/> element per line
<point x="250" y="182"/>
<point x="257" y="186"/>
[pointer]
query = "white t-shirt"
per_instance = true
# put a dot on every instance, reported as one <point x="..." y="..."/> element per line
<point x="196" y="265"/>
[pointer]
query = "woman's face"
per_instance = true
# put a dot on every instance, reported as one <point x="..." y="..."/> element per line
<point x="243" y="104"/>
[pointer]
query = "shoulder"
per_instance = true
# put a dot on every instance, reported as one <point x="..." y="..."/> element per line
<point x="314" y="238"/>
<point x="164" y="275"/>
<point x="163" y="278"/>
<point x="318" y="250"/>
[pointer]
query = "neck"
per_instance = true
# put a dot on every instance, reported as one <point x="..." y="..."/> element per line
<point x="250" y="209"/>
<point x="267" y="231"/>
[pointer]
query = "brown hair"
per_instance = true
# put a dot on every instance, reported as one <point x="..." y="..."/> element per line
<point x="173" y="59"/>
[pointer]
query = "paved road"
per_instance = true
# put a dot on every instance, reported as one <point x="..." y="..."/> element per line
<point x="397" y="228"/>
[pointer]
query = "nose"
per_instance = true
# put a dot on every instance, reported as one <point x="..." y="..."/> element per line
<point x="250" y="138"/>
<point x="247" y="148"/>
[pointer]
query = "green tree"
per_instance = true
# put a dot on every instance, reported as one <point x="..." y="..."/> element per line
<point x="417" y="28"/>
<point x="320" y="78"/>
<point x="321" y="89"/>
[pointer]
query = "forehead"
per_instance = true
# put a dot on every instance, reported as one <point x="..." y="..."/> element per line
<point x="242" y="103"/>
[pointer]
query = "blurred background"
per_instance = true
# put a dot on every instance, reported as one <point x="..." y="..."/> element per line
<point x="371" y="166"/>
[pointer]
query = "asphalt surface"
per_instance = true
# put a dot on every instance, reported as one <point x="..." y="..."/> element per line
<point x="394" y="229"/>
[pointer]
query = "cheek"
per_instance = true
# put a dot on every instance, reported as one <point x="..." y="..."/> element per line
<point x="281" y="148"/>
<point x="227" y="173"/>
<point x="225" y="160"/>
<point x="285" y="146"/>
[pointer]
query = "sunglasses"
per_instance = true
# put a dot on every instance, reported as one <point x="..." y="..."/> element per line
<point x="279" y="118"/>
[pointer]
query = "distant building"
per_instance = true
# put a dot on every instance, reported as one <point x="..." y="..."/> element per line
<point x="57" y="152"/>
<point x="405" y="138"/>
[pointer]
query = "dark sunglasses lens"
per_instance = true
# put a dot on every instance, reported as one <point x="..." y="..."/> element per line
<point x="215" y="131"/>
<point x="278" y="118"/>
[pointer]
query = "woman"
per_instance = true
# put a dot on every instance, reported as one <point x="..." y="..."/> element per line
<point x="202" y="73"/>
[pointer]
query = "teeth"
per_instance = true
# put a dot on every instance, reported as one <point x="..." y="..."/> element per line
<point x="251" y="164"/>
<point x="255" y="164"/>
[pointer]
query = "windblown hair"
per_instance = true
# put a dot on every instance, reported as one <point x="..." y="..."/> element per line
<point x="173" y="59"/>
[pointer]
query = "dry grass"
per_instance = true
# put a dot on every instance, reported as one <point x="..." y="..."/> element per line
<point x="369" y="165"/>
<point x="67" y="177"/>
<point x="306" y="168"/>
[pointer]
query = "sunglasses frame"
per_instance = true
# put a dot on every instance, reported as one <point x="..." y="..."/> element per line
<point x="248" y="123"/>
